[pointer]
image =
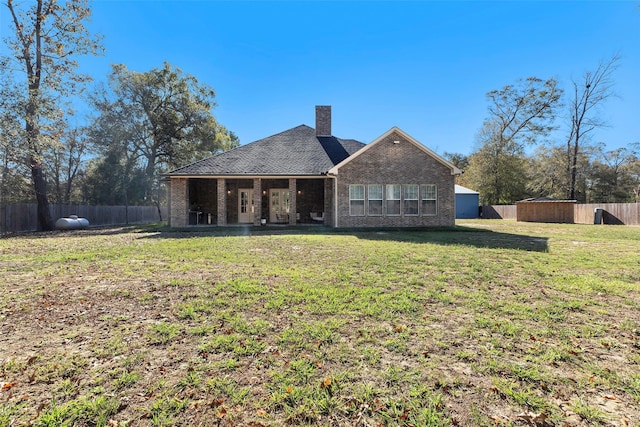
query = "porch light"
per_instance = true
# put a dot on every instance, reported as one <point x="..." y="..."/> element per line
<point x="299" y="192"/>
<point x="228" y="191"/>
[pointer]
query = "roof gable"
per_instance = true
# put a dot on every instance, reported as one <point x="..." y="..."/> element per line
<point x="404" y="135"/>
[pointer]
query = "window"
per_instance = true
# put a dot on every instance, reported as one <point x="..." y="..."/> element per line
<point x="356" y="200"/>
<point x="393" y="199"/>
<point x="410" y="199"/>
<point x="429" y="199"/>
<point x="375" y="199"/>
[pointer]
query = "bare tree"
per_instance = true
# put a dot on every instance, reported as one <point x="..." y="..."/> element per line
<point x="588" y="96"/>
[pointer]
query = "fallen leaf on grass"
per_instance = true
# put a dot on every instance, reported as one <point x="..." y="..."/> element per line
<point x="496" y="419"/>
<point x="405" y="414"/>
<point x="326" y="383"/>
<point x="7" y="386"/>
<point x="537" y="419"/>
<point x="262" y="413"/>
<point x="221" y="412"/>
<point x="217" y="402"/>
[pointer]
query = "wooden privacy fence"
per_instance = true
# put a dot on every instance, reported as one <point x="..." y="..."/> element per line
<point x="612" y="213"/>
<point x="499" y="212"/>
<point x="23" y="216"/>
<point x="545" y="210"/>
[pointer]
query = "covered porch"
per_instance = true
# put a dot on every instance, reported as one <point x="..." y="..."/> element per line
<point x="220" y="201"/>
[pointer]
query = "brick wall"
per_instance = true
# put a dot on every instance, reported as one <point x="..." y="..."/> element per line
<point x="178" y="210"/>
<point x="221" y="192"/>
<point x="323" y="120"/>
<point x="403" y="163"/>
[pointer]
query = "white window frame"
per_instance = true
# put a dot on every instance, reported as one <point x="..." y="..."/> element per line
<point x="390" y="197"/>
<point x="353" y="199"/>
<point x="380" y="200"/>
<point x="415" y="199"/>
<point x="428" y="193"/>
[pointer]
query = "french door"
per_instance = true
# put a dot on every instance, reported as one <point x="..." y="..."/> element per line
<point x="279" y="205"/>
<point x="245" y="205"/>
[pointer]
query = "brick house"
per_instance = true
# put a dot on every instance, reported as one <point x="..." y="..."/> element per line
<point x="305" y="176"/>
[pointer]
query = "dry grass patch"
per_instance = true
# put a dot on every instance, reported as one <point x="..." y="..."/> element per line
<point x="495" y="322"/>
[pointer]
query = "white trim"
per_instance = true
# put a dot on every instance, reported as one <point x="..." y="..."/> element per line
<point x="454" y="170"/>
<point x="335" y="201"/>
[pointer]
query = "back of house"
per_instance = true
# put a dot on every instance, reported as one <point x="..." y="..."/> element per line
<point x="308" y="176"/>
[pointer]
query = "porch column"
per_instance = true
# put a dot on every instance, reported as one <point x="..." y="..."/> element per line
<point x="179" y="208"/>
<point x="293" y="193"/>
<point x="222" y="201"/>
<point x="257" y="201"/>
<point x="330" y="199"/>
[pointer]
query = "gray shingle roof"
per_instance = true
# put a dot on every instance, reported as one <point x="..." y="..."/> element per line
<point x="297" y="151"/>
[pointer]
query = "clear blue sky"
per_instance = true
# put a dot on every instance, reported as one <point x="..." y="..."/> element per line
<point x="424" y="66"/>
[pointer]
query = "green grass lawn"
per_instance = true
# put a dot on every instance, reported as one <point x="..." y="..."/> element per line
<point x="491" y="323"/>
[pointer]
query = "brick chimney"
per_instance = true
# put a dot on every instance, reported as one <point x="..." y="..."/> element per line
<point x="323" y="120"/>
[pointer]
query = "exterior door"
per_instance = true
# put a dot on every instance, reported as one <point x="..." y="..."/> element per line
<point x="245" y="205"/>
<point x="279" y="206"/>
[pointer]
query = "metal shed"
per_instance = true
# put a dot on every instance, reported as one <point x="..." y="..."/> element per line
<point x="467" y="202"/>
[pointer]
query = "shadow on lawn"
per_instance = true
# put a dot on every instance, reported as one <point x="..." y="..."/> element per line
<point x="464" y="236"/>
<point x="459" y="235"/>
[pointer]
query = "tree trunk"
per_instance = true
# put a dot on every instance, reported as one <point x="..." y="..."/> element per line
<point x="159" y="210"/>
<point x="37" y="173"/>
<point x="574" y="168"/>
<point x="45" y="223"/>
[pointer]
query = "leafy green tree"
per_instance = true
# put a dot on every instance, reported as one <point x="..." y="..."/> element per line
<point x="520" y="115"/>
<point x="64" y="162"/>
<point x="47" y="37"/>
<point x="460" y="161"/>
<point x="12" y="186"/>
<point x="612" y="178"/>
<point x="155" y="121"/>
<point x="109" y="180"/>
<point x="547" y="172"/>
<point x="634" y="170"/>
<point x="497" y="174"/>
